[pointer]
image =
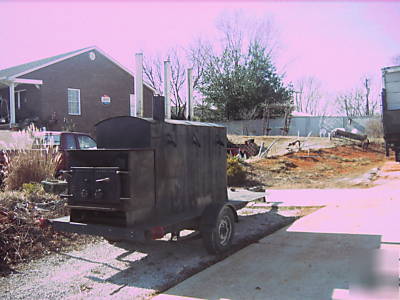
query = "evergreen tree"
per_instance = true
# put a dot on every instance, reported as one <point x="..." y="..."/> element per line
<point x="240" y="85"/>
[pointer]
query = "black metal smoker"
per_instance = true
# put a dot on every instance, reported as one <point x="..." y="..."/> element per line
<point x="150" y="177"/>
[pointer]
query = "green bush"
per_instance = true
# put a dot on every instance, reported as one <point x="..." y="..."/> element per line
<point x="32" y="188"/>
<point x="235" y="171"/>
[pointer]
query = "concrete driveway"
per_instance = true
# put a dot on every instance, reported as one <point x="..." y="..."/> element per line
<point x="346" y="250"/>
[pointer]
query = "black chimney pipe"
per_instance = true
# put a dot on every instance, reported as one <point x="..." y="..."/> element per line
<point x="158" y="108"/>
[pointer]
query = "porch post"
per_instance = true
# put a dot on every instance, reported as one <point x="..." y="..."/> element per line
<point x="12" y="103"/>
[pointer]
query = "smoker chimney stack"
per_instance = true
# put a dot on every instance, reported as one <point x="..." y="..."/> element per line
<point x="189" y="103"/>
<point x="167" y="79"/>
<point x="139" y="84"/>
<point x="159" y="108"/>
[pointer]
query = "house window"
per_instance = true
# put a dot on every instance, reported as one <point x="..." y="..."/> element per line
<point x="74" y="102"/>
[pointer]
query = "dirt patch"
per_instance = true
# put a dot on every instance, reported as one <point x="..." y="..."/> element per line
<point x="322" y="168"/>
<point x="281" y="143"/>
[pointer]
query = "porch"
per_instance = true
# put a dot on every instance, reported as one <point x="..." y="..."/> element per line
<point x="13" y="100"/>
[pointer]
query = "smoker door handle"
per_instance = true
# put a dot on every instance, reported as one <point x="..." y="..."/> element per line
<point x="170" y="140"/>
<point x="196" y="141"/>
<point x="66" y="172"/>
<point x="107" y="179"/>
<point x="122" y="172"/>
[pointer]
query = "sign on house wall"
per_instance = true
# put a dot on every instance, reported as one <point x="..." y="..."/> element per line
<point x="105" y="99"/>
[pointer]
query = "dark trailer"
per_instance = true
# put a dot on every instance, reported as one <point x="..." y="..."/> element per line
<point x="151" y="177"/>
<point x="391" y="109"/>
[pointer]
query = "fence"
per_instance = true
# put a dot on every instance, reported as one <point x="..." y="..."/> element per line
<point x="299" y="126"/>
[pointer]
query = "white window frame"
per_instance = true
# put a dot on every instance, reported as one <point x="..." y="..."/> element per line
<point x="79" y="102"/>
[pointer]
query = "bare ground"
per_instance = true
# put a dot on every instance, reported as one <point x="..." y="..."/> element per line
<point x="327" y="167"/>
<point x="126" y="271"/>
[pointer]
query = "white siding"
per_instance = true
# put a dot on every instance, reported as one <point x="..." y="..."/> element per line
<point x="392" y="86"/>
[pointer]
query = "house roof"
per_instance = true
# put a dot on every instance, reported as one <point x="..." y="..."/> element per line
<point x="23" y="69"/>
<point x="28" y="67"/>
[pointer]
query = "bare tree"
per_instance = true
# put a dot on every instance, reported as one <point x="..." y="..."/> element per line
<point x="358" y="102"/>
<point x="178" y="78"/>
<point x="198" y="56"/>
<point x="153" y="72"/>
<point x="180" y="60"/>
<point x="153" y="69"/>
<point x="238" y="30"/>
<point x="308" y="96"/>
<point x="351" y="103"/>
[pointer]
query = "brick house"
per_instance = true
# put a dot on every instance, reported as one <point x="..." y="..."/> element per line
<point x="74" y="90"/>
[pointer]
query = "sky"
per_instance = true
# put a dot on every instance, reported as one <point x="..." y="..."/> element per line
<point x="336" y="42"/>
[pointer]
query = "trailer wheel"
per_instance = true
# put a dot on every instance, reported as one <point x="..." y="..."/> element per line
<point x="219" y="238"/>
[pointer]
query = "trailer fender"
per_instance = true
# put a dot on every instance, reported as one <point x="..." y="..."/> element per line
<point x="210" y="215"/>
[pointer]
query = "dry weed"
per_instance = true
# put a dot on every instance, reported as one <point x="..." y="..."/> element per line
<point x="26" y="166"/>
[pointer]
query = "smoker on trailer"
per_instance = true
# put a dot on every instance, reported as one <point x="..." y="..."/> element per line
<point x="150" y="177"/>
<point x="391" y="109"/>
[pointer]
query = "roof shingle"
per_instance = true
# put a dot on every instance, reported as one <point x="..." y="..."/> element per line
<point x="10" y="72"/>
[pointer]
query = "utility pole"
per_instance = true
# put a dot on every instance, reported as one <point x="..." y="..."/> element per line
<point x="367" y="88"/>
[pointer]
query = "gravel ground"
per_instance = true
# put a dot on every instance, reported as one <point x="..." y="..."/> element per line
<point x="126" y="271"/>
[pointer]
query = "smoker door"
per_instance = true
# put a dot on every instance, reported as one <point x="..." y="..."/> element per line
<point x="92" y="185"/>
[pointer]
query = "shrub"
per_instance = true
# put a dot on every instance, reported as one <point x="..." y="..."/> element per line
<point x="374" y="128"/>
<point x="22" y="164"/>
<point x="32" y="188"/>
<point x="21" y="238"/>
<point x="18" y="139"/>
<point x="28" y="166"/>
<point x="235" y="171"/>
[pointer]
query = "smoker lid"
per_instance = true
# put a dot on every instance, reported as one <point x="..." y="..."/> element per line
<point x="193" y="123"/>
<point x="170" y="121"/>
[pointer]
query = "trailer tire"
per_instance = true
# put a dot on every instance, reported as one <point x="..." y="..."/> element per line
<point x="218" y="239"/>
